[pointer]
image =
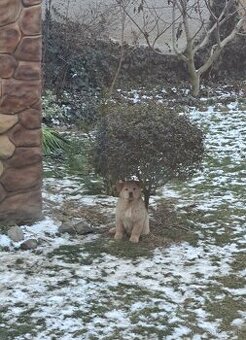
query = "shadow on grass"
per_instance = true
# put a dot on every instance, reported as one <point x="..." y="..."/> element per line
<point x="167" y="227"/>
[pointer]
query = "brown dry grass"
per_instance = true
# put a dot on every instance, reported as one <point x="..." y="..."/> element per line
<point x="93" y="214"/>
<point x="167" y="226"/>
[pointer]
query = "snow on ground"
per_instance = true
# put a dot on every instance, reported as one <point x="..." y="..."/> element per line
<point x="73" y="287"/>
<point x="114" y="296"/>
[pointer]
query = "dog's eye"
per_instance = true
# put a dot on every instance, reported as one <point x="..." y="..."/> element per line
<point x="126" y="189"/>
<point x="134" y="188"/>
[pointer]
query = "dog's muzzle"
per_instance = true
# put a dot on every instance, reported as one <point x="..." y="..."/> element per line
<point x="130" y="195"/>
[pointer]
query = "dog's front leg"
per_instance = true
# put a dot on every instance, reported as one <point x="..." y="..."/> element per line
<point x="136" y="232"/>
<point x="119" y="230"/>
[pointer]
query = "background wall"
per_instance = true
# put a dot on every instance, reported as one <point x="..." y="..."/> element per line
<point x="84" y="10"/>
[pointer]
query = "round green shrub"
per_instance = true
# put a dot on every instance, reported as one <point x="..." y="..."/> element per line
<point x="148" y="142"/>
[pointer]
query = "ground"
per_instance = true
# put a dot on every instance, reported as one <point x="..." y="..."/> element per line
<point x="184" y="281"/>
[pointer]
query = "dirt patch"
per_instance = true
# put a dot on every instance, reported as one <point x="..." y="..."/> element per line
<point x="167" y="225"/>
<point x="94" y="215"/>
<point x="170" y="224"/>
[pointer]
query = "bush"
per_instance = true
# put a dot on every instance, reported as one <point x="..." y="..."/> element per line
<point x="52" y="141"/>
<point x="148" y="142"/>
<point x="79" y="108"/>
<point x="52" y="112"/>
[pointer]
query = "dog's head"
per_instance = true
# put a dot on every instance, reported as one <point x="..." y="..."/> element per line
<point x="129" y="190"/>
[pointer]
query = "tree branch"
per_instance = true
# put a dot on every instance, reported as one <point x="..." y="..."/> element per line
<point x="216" y="49"/>
<point x="177" y="52"/>
<point x="218" y="22"/>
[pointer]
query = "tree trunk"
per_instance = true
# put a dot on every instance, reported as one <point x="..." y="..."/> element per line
<point x="195" y="83"/>
<point x="194" y="78"/>
<point x="146" y="199"/>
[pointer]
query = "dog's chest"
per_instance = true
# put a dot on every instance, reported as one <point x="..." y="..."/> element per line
<point x="128" y="214"/>
<point x="128" y="219"/>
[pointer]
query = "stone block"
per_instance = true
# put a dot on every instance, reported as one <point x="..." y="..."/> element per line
<point x="2" y="193"/>
<point x="30" y="20"/>
<point x="9" y="11"/>
<point x="37" y="105"/>
<point x="22" y="208"/>
<point x="9" y="38"/>
<point x="13" y="104"/>
<point x="29" y="244"/>
<point x="6" y="122"/>
<point x="66" y="228"/>
<point x="7" y="148"/>
<point x="8" y="65"/>
<point x="24" y="157"/>
<point x="30" y="119"/>
<point x="1" y="168"/>
<point x="29" y="49"/>
<point x="83" y="228"/>
<point x="16" y="234"/>
<point x="31" y="2"/>
<point x="23" y="137"/>
<point x="28" y="71"/>
<point x="20" y="88"/>
<point x="16" y="180"/>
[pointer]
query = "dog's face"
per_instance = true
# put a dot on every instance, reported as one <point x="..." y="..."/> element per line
<point x="130" y="190"/>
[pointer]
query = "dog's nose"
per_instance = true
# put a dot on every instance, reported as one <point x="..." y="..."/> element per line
<point x="131" y="194"/>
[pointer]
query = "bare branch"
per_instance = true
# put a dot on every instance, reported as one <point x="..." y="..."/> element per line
<point x="123" y="22"/>
<point x="216" y="49"/>
<point x="177" y="52"/>
<point x="219" y="21"/>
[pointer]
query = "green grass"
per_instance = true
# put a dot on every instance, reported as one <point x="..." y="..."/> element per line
<point x="23" y="325"/>
<point x="225" y="310"/>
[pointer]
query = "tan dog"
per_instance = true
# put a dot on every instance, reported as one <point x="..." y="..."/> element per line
<point x="131" y="215"/>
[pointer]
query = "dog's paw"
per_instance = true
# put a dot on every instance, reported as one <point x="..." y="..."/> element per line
<point x="118" y="236"/>
<point x="134" y="239"/>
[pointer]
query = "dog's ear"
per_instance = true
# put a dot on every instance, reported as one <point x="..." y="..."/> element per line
<point x="119" y="185"/>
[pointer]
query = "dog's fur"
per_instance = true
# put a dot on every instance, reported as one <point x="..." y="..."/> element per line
<point x="131" y="215"/>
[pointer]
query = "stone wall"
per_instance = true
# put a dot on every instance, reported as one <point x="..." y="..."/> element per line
<point x="20" y="110"/>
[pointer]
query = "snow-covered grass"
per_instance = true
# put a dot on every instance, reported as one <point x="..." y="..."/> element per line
<point x="110" y="297"/>
<point x="91" y="287"/>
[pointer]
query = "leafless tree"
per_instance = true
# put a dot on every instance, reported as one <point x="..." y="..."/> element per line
<point x="189" y="27"/>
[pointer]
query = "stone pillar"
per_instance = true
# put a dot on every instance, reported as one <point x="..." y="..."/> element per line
<point x="20" y="110"/>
